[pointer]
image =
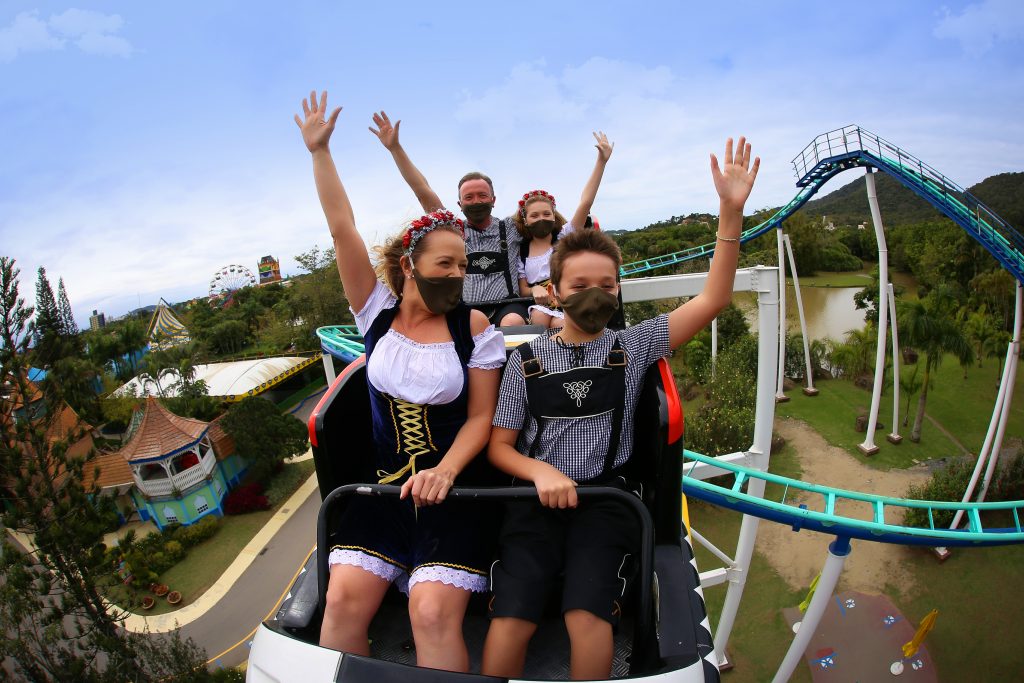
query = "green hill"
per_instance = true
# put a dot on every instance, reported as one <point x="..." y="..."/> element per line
<point x="1003" y="193"/>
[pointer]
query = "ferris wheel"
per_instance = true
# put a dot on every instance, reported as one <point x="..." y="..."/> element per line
<point x="230" y="278"/>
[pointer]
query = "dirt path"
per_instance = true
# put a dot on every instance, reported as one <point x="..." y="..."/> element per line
<point x="798" y="557"/>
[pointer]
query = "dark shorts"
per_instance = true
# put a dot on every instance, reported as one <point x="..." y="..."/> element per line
<point x="591" y="545"/>
<point x="496" y="311"/>
<point x="456" y="534"/>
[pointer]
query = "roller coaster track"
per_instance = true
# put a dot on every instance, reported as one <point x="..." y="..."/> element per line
<point x="341" y="341"/>
<point x="851" y="147"/>
<point x="821" y="514"/>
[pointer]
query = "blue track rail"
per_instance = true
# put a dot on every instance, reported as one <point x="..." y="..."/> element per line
<point x="820" y="512"/>
<point x="854" y="147"/>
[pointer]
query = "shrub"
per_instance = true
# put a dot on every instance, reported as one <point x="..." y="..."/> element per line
<point x="284" y="484"/>
<point x="947" y="484"/>
<point x="724" y="423"/>
<point x="189" y="536"/>
<point x="247" y="498"/>
<point x="174" y="551"/>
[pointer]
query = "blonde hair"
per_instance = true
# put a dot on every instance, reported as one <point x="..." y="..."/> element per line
<point x="389" y="256"/>
<point x="520" y="220"/>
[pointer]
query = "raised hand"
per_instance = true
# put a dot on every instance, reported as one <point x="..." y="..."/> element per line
<point x="604" y="148"/>
<point x="735" y="179"/>
<point x="385" y="132"/>
<point x="316" y="129"/>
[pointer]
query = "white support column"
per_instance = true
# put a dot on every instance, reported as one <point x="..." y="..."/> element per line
<point x="809" y="390"/>
<point x="758" y="455"/>
<point x="714" y="345"/>
<point x="1005" y="382"/>
<point x="328" y="367"/>
<point x="838" y="551"/>
<point x="1011" y="378"/>
<point x="779" y="396"/>
<point x="894" y="436"/>
<point x="869" y="447"/>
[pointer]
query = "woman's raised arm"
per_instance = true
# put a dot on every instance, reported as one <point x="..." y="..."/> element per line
<point x="357" y="276"/>
<point x="604" y="153"/>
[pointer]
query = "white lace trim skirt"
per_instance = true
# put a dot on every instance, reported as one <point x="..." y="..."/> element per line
<point x="451" y="576"/>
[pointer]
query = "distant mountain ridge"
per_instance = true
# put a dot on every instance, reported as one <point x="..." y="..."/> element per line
<point x="1003" y="193"/>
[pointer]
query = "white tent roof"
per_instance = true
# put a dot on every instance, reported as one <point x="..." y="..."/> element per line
<point x="233" y="380"/>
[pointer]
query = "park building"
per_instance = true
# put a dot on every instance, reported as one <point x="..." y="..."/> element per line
<point x="181" y="468"/>
<point x="270" y="270"/>
<point x="97" y="321"/>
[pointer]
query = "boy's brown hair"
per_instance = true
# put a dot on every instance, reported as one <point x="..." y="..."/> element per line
<point x="579" y="241"/>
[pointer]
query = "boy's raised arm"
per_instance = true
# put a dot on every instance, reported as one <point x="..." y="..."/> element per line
<point x="733" y="183"/>
<point x="604" y="153"/>
<point x="357" y="276"/>
<point x="388" y="136"/>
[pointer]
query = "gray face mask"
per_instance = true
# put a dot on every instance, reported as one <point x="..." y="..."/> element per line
<point x="590" y="309"/>
<point x="439" y="294"/>
<point x="541" y="228"/>
<point x="477" y="213"/>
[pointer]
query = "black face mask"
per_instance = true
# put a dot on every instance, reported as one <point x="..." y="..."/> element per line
<point x="590" y="309"/>
<point x="439" y="294"/>
<point x="477" y="213"/>
<point x="541" y="228"/>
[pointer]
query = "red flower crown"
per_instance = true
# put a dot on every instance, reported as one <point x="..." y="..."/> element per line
<point x="530" y="195"/>
<point x="424" y="224"/>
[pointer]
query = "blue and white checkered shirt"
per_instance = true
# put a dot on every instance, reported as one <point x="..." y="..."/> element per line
<point x="577" y="448"/>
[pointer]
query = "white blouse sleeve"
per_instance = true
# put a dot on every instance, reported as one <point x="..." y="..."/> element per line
<point x="489" y="350"/>
<point x="566" y="229"/>
<point x="380" y="298"/>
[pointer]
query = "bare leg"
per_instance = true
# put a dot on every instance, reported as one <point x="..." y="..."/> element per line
<point x="505" y="647"/>
<point x="556" y="323"/>
<point x="591" y="645"/>
<point x="436" y="611"/>
<point x="511" y="319"/>
<point x="538" y="318"/>
<point x="353" y="596"/>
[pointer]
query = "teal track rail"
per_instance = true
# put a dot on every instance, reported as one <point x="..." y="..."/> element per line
<point x="820" y="514"/>
<point x="341" y="341"/>
<point x="854" y="147"/>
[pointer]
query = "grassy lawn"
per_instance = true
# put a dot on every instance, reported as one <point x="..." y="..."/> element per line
<point x="208" y="560"/>
<point x="962" y="406"/>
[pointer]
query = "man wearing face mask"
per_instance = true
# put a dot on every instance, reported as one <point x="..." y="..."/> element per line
<point x="492" y="244"/>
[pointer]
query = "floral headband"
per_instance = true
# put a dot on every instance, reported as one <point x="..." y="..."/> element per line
<point x="531" y="195"/>
<point x="425" y="224"/>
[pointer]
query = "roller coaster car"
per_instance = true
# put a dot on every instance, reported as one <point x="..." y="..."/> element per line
<point x="664" y="633"/>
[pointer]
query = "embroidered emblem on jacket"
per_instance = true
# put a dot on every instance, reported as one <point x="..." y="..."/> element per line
<point x="577" y="390"/>
<point x="484" y="262"/>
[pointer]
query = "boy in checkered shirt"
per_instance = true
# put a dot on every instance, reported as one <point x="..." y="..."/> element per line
<point x="565" y="417"/>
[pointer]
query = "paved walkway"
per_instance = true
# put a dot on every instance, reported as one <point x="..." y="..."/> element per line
<point x="168" y="622"/>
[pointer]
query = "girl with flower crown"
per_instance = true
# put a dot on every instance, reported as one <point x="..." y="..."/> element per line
<point x="540" y="226"/>
<point x="432" y="372"/>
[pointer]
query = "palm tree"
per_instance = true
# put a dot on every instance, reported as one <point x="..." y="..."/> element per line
<point x="930" y="326"/>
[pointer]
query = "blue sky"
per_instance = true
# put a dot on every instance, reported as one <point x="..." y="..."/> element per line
<point x="145" y="145"/>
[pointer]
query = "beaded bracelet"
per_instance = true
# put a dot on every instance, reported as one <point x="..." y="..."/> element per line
<point x="727" y="239"/>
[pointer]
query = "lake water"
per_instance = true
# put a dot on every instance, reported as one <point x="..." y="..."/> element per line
<point x="830" y="311"/>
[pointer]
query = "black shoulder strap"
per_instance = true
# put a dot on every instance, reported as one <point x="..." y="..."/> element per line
<point x="503" y="245"/>
<point x="379" y="327"/>
<point x="462" y="334"/>
<point x="530" y="363"/>
<point x="617" y="362"/>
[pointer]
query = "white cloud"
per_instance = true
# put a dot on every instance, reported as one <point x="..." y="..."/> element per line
<point x="27" y="33"/>
<point x="92" y="32"/>
<point x="982" y="25"/>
